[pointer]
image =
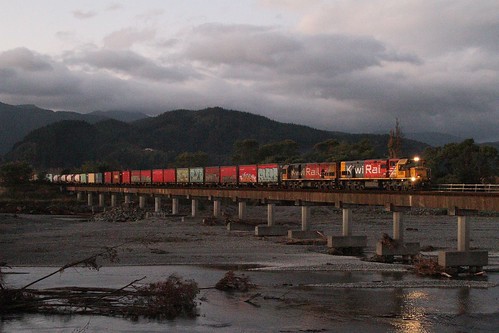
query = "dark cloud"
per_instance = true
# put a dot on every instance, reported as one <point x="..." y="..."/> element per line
<point x="354" y="82"/>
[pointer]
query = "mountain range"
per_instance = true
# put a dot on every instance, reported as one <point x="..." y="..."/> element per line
<point x="27" y="130"/>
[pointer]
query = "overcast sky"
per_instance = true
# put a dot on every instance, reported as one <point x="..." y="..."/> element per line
<point x="352" y="66"/>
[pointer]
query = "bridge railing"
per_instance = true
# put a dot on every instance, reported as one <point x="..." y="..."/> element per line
<point x="490" y="188"/>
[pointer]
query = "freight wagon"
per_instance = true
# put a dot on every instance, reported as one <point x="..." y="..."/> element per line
<point x="387" y="174"/>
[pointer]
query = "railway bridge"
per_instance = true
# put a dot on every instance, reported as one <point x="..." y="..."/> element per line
<point x="459" y="204"/>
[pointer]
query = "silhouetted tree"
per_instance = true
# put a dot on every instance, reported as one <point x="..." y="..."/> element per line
<point x="464" y="162"/>
<point x="13" y="173"/>
<point x="395" y="141"/>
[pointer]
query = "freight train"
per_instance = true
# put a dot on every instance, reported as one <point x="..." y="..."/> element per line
<point x="380" y="174"/>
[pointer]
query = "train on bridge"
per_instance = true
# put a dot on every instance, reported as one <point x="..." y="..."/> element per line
<point x="380" y="174"/>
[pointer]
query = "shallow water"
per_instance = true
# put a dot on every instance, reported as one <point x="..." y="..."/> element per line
<point x="291" y="301"/>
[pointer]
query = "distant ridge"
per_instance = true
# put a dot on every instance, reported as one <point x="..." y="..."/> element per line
<point x="16" y="121"/>
<point x="433" y="138"/>
<point x="125" y="116"/>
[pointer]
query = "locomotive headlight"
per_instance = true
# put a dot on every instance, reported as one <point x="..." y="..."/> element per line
<point x="413" y="179"/>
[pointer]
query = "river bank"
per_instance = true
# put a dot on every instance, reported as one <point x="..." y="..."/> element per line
<point x="300" y="287"/>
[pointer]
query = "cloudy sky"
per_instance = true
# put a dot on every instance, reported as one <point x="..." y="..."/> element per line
<point x="339" y="65"/>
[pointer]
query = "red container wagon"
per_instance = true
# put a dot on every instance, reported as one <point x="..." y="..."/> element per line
<point x="157" y="176"/>
<point x="146" y="176"/>
<point x="228" y="175"/>
<point x="248" y="174"/>
<point x="212" y="175"/>
<point x="108" y="177"/>
<point x="126" y="177"/>
<point x="268" y="174"/>
<point x="116" y="177"/>
<point x="169" y="176"/>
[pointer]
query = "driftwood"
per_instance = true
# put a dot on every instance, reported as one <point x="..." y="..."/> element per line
<point x="232" y="282"/>
<point x="161" y="300"/>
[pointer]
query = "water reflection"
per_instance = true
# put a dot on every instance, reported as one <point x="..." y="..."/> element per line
<point x="285" y="303"/>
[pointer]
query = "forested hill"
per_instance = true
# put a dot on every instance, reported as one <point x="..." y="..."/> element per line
<point x="16" y="121"/>
<point x="158" y="141"/>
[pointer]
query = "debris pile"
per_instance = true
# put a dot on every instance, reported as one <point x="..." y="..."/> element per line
<point x="389" y="242"/>
<point x="427" y="267"/>
<point x="162" y="300"/>
<point x="232" y="282"/>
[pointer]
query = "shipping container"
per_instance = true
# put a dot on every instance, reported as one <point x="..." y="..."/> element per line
<point x="196" y="175"/>
<point x="212" y="175"/>
<point x="352" y="169"/>
<point x="108" y="177"/>
<point x="83" y="178"/>
<point x="99" y="178"/>
<point x="268" y="173"/>
<point x="116" y="177"/>
<point x="126" y="177"/>
<point x="183" y="175"/>
<point x="169" y="176"/>
<point x="228" y="175"/>
<point x="146" y="176"/>
<point x="247" y="174"/>
<point x="49" y="177"/>
<point x="76" y="178"/>
<point x="157" y="176"/>
<point x="135" y="176"/>
<point x="91" y="178"/>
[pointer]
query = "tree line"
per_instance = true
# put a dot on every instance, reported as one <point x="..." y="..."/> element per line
<point x="464" y="162"/>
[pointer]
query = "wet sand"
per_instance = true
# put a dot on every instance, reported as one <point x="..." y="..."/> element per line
<point x="36" y="240"/>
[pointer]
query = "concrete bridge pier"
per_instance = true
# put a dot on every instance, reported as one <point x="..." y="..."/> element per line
<point x="475" y="260"/>
<point x="217" y="208"/>
<point x="347" y="242"/>
<point x="102" y="200"/>
<point x="113" y="200"/>
<point x="90" y="199"/>
<point x="305" y="232"/>
<point x="157" y="204"/>
<point x="175" y="206"/>
<point x="398" y="247"/>
<point x="241" y="210"/>
<point x="127" y="199"/>
<point x="142" y="201"/>
<point x="79" y="196"/>
<point x="270" y="229"/>
<point x="240" y="225"/>
<point x="194" y="207"/>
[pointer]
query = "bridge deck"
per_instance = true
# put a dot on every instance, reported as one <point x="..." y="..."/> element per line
<point x="430" y="199"/>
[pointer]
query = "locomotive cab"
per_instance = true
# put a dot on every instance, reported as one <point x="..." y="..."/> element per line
<point x="413" y="170"/>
